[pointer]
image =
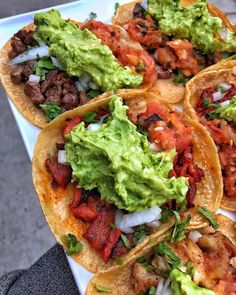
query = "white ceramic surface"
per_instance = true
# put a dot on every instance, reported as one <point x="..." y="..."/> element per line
<point x="78" y="10"/>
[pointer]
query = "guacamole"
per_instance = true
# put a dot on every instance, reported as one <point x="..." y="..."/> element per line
<point x="118" y="161"/>
<point x="81" y="52"/>
<point x="193" y="23"/>
<point x="227" y="112"/>
<point x="182" y="284"/>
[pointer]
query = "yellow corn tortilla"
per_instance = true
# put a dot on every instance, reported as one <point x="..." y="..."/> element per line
<point x="166" y="87"/>
<point x="118" y="279"/>
<point x="225" y="71"/>
<point x="55" y="202"/>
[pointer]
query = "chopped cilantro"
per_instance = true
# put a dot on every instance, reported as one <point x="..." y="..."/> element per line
<point x="51" y="110"/>
<point x="139" y="233"/>
<point x="118" y="261"/>
<point x="141" y="130"/>
<point x="152" y="291"/>
<point x="116" y="6"/>
<point x="142" y="259"/>
<point x="126" y="241"/>
<point x="92" y="15"/>
<point x="190" y="268"/>
<point x="112" y="225"/>
<point x="100" y="288"/>
<point x="207" y="104"/>
<point x="91" y="93"/>
<point x="140" y="67"/>
<point x="180" y="79"/>
<point x="166" y="214"/>
<point x="43" y="66"/>
<point x="89" y="117"/>
<point x="210" y="216"/>
<point x="164" y="250"/>
<point x="179" y="228"/>
<point x="74" y="246"/>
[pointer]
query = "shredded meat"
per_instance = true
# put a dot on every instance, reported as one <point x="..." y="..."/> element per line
<point x="142" y="279"/>
<point x="33" y="91"/>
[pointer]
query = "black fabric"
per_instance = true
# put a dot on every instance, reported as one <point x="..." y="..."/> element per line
<point x="50" y="275"/>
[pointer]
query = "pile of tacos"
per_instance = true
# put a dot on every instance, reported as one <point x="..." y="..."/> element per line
<point x="138" y="146"/>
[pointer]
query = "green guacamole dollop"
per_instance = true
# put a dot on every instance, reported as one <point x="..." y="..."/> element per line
<point x="193" y="23"/>
<point x="182" y="284"/>
<point x="117" y="160"/>
<point x="81" y="52"/>
<point x="227" y="112"/>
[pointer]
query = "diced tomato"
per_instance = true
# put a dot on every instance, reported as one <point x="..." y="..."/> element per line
<point x="60" y="173"/>
<point x="99" y="230"/>
<point x="166" y="56"/>
<point x="85" y="212"/>
<point x="77" y="197"/>
<point x="164" y="138"/>
<point x="111" y="243"/>
<point x="70" y="125"/>
<point x="218" y="134"/>
<point x="155" y="108"/>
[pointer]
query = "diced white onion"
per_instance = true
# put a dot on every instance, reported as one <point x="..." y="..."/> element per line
<point x="41" y="43"/>
<point x="138" y="218"/>
<point x="224" y="34"/>
<point x="144" y="4"/>
<point x="168" y="291"/>
<point x="30" y="55"/>
<point x="57" y="63"/>
<point x="34" y="79"/>
<point x="179" y="108"/>
<point x="166" y="285"/>
<point x="217" y="96"/>
<point x="118" y="218"/>
<point x="224" y="103"/>
<point x="160" y="286"/>
<point x="153" y="147"/>
<point x="154" y="224"/>
<point x="94" y="127"/>
<point x="84" y="79"/>
<point x="78" y="86"/>
<point x="225" y="86"/>
<point x="62" y="156"/>
<point x="195" y="235"/>
<point x="93" y="86"/>
<point x="159" y="128"/>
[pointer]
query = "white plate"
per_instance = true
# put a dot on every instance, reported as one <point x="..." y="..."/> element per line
<point x="78" y="10"/>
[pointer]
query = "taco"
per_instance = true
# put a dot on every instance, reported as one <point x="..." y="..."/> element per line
<point x="184" y="37"/>
<point x="104" y="185"/>
<point x="55" y="65"/>
<point x="210" y="98"/>
<point x="203" y="262"/>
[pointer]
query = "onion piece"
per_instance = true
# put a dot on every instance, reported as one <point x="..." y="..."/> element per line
<point x="62" y="156"/>
<point x="144" y="4"/>
<point x="224" y="34"/>
<point x="118" y="218"/>
<point x="30" y="55"/>
<point x="154" y="224"/>
<point x="168" y="291"/>
<point x="153" y="147"/>
<point x="57" y="63"/>
<point x="217" y="96"/>
<point x="34" y="79"/>
<point x="195" y="235"/>
<point x="94" y="127"/>
<point x="224" y="103"/>
<point x="166" y="285"/>
<point x="160" y="287"/>
<point x="224" y="86"/>
<point x="138" y="218"/>
<point x="78" y="86"/>
<point x="84" y="79"/>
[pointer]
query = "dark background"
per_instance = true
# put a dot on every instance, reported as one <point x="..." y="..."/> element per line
<point x="24" y="234"/>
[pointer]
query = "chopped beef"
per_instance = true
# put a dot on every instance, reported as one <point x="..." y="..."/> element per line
<point x="33" y="91"/>
<point x="48" y="82"/>
<point x="70" y="100"/>
<point x="83" y="98"/>
<point x="163" y="74"/>
<point x="138" y="11"/>
<point x="54" y="94"/>
<point x="26" y="37"/>
<point x="28" y="69"/>
<point x="16" y="74"/>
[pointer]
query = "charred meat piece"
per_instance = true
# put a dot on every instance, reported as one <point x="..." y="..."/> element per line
<point x="142" y="279"/>
<point x="138" y="11"/>
<point x="33" y="91"/>
<point x="54" y="94"/>
<point x="48" y="82"/>
<point x="18" y="47"/>
<point x="163" y="74"/>
<point x="111" y="243"/>
<point x="16" y="74"/>
<point x="70" y="100"/>
<point x="28" y="68"/>
<point x="26" y="37"/>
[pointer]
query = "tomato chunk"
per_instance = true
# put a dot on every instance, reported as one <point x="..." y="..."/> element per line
<point x="70" y="125"/>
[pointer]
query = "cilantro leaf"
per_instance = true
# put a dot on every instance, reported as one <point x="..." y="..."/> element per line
<point x="116" y="6"/>
<point x="51" y="110"/>
<point x="206" y="103"/>
<point x="152" y="291"/>
<point x="179" y="228"/>
<point x="164" y="250"/>
<point x="126" y="241"/>
<point x="74" y="246"/>
<point x="89" y="117"/>
<point x="180" y="79"/>
<point x="118" y="261"/>
<point x="92" y="15"/>
<point x="166" y="214"/>
<point x="91" y="93"/>
<point x="141" y="130"/>
<point x="100" y="288"/>
<point x="210" y="216"/>
<point x="43" y="66"/>
<point x="139" y="233"/>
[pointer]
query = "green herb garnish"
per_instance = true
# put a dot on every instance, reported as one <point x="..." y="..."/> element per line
<point x="43" y="66"/>
<point x="140" y="67"/>
<point x="126" y="241"/>
<point x="178" y="232"/>
<point x="166" y="214"/>
<point x="207" y="104"/>
<point x="91" y="93"/>
<point x="74" y="246"/>
<point x="152" y="291"/>
<point x="112" y="225"/>
<point x="89" y="117"/>
<point x="141" y="130"/>
<point x="118" y="261"/>
<point x="164" y="250"/>
<point x="190" y="268"/>
<point x="142" y="259"/>
<point x="180" y="79"/>
<point x="139" y="233"/>
<point x="92" y="15"/>
<point x="210" y="216"/>
<point x="51" y="110"/>
<point x="100" y="288"/>
<point x="116" y="6"/>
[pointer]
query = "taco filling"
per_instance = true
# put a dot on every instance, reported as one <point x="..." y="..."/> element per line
<point x="217" y="111"/>
<point x="202" y="263"/>
<point x="124" y="166"/>
<point x="182" y="40"/>
<point x="64" y="66"/>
